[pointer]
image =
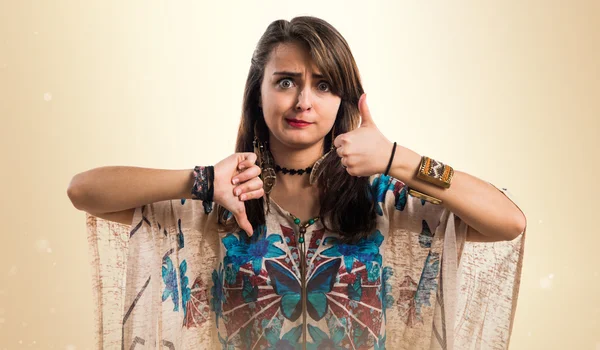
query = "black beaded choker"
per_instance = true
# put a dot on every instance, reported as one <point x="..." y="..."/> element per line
<point x="293" y="171"/>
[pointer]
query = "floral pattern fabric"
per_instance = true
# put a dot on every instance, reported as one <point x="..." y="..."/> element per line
<point x="394" y="289"/>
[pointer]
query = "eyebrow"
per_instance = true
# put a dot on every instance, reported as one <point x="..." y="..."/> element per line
<point x="295" y="74"/>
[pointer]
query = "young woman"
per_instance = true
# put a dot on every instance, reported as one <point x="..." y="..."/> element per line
<point x="326" y="235"/>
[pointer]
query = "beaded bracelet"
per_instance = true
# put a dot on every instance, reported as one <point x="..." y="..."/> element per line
<point x="203" y="188"/>
<point x="434" y="172"/>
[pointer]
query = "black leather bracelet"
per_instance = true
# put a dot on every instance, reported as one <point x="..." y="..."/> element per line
<point x="391" y="159"/>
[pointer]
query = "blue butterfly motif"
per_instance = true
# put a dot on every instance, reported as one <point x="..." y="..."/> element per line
<point x="380" y="186"/>
<point x="401" y="199"/>
<point x="366" y="251"/>
<point x="287" y="285"/>
<point x="169" y="276"/>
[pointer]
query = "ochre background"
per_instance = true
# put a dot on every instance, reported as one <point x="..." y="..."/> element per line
<point x="506" y="91"/>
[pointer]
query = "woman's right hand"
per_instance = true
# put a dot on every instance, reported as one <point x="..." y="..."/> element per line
<point x="239" y="166"/>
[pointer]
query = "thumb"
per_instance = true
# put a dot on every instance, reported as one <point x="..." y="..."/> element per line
<point x="243" y="222"/>
<point x="245" y="156"/>
<point x="251" y="156"/>
<point x="363" y="109"/>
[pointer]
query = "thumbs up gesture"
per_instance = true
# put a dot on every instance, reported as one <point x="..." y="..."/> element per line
<point x="364" y="151"/>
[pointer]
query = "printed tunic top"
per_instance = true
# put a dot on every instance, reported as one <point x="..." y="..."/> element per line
<point x="183" y="282"/>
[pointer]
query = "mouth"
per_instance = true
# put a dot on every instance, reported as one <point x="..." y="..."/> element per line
<point x="297" y="123"/>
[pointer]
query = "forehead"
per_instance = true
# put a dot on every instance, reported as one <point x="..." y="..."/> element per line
<point x="290" y="57"/>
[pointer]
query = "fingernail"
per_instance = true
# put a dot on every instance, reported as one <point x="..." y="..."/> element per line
<point x="237" y="192"/>
<point x="235" y="180"/>
<point x="243" y="197"/>
<point x="242" y="167"/>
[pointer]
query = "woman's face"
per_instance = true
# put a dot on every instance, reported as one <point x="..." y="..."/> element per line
<point x="292" y="88"/>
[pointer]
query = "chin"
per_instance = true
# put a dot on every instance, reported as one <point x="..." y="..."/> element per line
<point x="296" y="139"/>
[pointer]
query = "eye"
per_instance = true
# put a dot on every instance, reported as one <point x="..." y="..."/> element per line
<point x="324" y="86"/>
<point x="285" y="83"/>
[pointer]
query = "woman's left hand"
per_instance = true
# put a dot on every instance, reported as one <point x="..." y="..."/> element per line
<point x="364" y="151"/>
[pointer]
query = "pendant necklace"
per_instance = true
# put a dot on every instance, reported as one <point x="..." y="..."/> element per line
<point x="302" y="227"/>
<point x="302" y="252"/>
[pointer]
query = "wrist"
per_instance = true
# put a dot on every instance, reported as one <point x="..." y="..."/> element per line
<point x="187" y="179"/>
<point x="405" y="164"/>
<point x="203" y="187"/>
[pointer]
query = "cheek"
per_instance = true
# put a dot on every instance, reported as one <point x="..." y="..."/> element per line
<point x="329" y="109"/>
<point x="273" y="111"/>
<point x="273" y="101"/>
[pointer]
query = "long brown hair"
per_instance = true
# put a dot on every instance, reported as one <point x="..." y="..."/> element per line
<point x="347" y="206"/>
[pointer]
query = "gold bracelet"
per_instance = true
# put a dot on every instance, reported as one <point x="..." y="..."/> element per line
<point x="424" y="196"/>
<point x="434" y="172"/>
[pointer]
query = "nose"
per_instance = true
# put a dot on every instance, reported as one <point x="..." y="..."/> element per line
<point x="304" y="99"/>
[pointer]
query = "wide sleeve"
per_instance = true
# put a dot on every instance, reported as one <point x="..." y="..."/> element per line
<point x="449" y="293"/>
<point x="479" y="286"/>
<point x="139" y="271"/>
<point x="488" y="281"/>
<point x="108" y="244"/>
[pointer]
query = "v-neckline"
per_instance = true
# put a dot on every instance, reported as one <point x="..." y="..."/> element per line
<point x="287" y="214"/>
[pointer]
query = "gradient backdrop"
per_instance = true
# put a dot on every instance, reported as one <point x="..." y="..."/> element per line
<point x="506" y="91"/>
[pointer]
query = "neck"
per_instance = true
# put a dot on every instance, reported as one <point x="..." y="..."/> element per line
<point x="294" y="158"/>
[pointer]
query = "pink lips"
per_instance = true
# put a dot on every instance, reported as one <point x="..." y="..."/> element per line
<point x="297" y="124"/>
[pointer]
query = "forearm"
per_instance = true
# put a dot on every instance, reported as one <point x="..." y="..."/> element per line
<point x="115" y="188"/>
<point x="478" y="203"/>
